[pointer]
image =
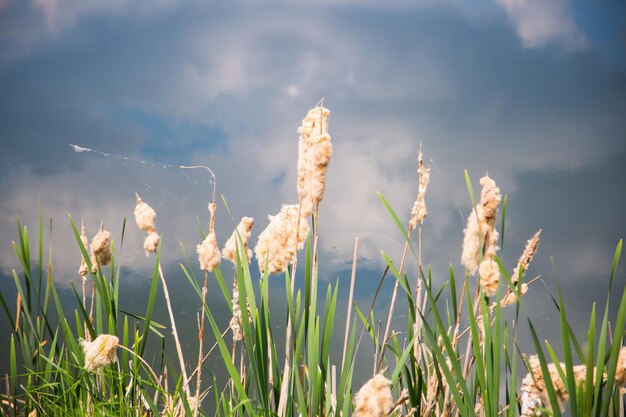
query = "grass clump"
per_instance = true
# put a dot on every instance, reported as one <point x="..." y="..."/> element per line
<point x="457" y="357"/>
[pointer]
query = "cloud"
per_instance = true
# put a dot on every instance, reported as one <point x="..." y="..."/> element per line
<point x="541" y="22"/>
<point x="30" y="24"/>
<point x="389" y="81"/>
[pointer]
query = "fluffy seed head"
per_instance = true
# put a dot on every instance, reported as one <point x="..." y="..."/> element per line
<point x="281" y="240"/>
<point x="101" y="352"/>
<point x="100" y="249"/>
<point x="235" y="321"/>
<point x="144" y="216"/>
<point x="489" y="273"/>
<point x="481" y="235"/>
<point x="244" y="230"/>
<point x="419" y="212"/>
<point x="374" y="398"/>
<point x="151" y="242"/>
<point x="83" y="270"/>
<point x="208" y="253"/>
<point x="526" y="258"/>
<point x="534" y="391"/>
<point x="314" y="153"/>
<point x="510" y="297"/>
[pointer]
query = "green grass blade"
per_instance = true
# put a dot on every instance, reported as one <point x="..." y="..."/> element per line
<point x="398" y="223"/>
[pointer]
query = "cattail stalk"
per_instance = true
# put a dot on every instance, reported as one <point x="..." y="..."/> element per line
<point x="179" y="350"/>
<point x="207" y="266"/>
<point x="83" y="270"/>
<point x="350" y="298"/>
<point x="418" y="214"/>
<point x="392" y="305"/>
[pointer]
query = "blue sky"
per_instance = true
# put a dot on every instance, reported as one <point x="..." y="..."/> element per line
<point x="532" y="91"/>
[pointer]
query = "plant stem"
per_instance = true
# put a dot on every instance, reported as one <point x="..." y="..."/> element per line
<point x="393" y="302"/>
<point x="200" y="340"/>
<point x="179" y="350"/>
<point x="350" y="298"/>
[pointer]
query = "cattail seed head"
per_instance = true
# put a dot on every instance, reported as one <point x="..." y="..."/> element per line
<point x="489" y="280"/>
<point x="101" y="352"/>
<point x="534" y="392"/>
<point x="243" y="230"/>
<point x="235" y="321"/>
<point x="83" y="270"/>
<point x="526" y="258"/>
<point x="374" y="398"/>
<point x="510" y="297"/>
<point x="144" y="216"/>
<point x="208" y="253"/>
<point x="480" y="234"/>
<point x="314" y="154"/>
<point x="100" y="249"/>
<point x="281" y="240"/>
<point x="151" y="242"/>
<point x="419" y="212"/>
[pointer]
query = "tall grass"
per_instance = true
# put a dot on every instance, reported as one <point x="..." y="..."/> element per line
<point x="456" y="356"/>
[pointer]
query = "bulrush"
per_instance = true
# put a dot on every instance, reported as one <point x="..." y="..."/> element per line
<point x="526" y="258"/>
<point x="208" y="251"/>
<point x="101" y="352"/>
<point x="489" y="273"/>
<point x="244" y="230"/>
<point x="481" y="235"/>
<point x="83" y="270"/>
<point x="534" y="392"/>
<point x="235" y="321"/>
<point x="277" y="244"/>
<point x="419" y="212"/>
<point x="374" y="398"/>
<point x="314" y="153"/>
<point x="100" y="249"/>
<point x="522" y="265"/>
<point x="145" y="217"/>
<point x="510" y="297"/>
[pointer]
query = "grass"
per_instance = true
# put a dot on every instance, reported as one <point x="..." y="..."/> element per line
<point x="458" y="354"/>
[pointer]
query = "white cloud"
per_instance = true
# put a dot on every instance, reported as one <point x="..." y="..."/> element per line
<point x="540" y="22"/>
<point x="62" y="14"/>
<point x="47" y="21"/>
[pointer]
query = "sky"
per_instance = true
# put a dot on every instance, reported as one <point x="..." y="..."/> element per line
<point x="532" y="92"/>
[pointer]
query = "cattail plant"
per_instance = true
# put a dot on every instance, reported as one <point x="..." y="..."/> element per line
<point x="526" y="257"/>
<point x="314" y="153"/>
<point x="241" y="234"/>
<point x="278" y="244"/>
<point x="145" y="217"/>
<point x="534" y="392"/>
<point x="209" y="258"/>
<point x="481" y="237"/>
<point x="510" y="296"/>
<point x="374" y="399"/>
<point x="101" y="352"/>
<point x="83" y="270"/>
<point x="100" y="249"/>
<point x="239" y="238"/>
<point x="208" y="251"/>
